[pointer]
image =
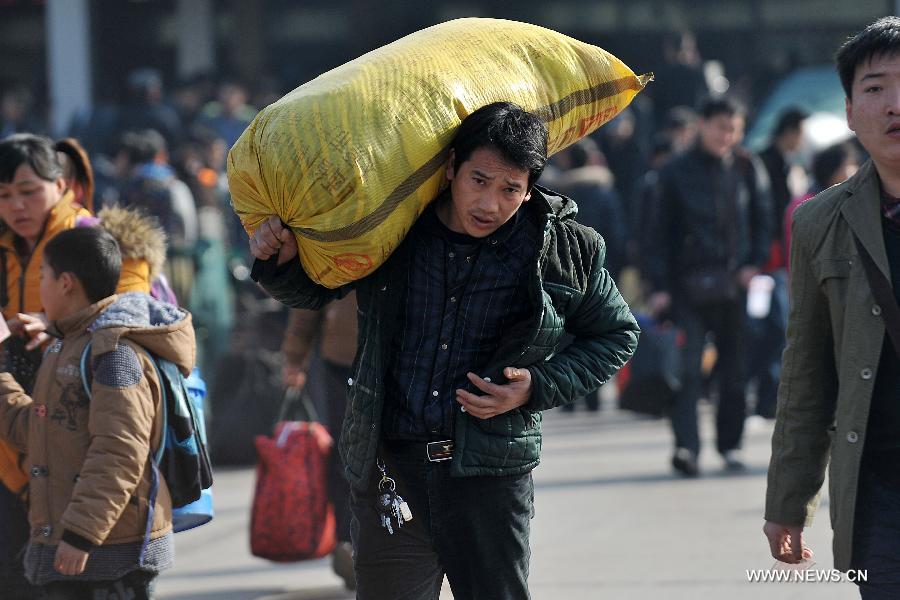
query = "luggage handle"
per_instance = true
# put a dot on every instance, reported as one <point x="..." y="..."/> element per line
<point x="297" y="396"/>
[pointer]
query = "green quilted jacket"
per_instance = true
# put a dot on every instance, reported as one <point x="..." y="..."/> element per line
<point x="570" y="292"/>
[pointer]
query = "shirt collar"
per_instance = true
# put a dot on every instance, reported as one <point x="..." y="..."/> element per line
<point x="890" y="208"/>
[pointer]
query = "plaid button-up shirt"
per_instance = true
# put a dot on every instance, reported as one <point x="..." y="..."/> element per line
<point x="462" y="294"/>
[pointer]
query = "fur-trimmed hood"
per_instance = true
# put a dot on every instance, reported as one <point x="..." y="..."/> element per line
<point x="140" y="236"/>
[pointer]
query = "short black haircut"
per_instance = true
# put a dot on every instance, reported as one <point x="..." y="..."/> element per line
<point x="679" y="117"/>
<point x="826" y="162"/>
<point x="91" y="254"/>
<point x="790" y="120"/>
<point x="723" y="105"/>
<point x="881" y="38"/>
<point x="36" y="151"/>
<point x="140" y="146"/>
<point x="581" y="152"/>
<point x="519" y="136"/>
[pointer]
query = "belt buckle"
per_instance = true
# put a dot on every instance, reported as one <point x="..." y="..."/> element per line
<point x="439" y="451"/>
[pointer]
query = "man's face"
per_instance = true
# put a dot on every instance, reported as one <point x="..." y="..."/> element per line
<point x="720" y="133"/>
<point x="874" y="111"/>
<point x="485" y="193"/>
<point x="793" y="140"/>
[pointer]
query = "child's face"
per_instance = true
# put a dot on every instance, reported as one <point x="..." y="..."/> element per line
<point x="53" y="294"/>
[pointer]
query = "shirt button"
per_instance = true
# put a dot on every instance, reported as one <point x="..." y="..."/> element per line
<point x="443" y="346"/>
<point x="452" y="255"/>
<point x="852" y="437"/>
<point x="876" y="310"/>
<point x="350" y="381"/>
<point x="434" y="393"/>
<point x="866" y="373"/>
<point x="487" y="379"/>
<point x="452" y="298"/>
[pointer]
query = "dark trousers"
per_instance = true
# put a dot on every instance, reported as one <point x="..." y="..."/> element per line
<point x="137" y="585"/>
<point x="328" y="386"/>
<point x="876" y="537"/>
<point x="726" y="322"/>
<point x="13" y="538"/>
<point x="766" y="338"/>
<point x="473" y="529"/>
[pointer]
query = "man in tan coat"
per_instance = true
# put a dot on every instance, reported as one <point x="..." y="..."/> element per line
<point x="839" y="397"/>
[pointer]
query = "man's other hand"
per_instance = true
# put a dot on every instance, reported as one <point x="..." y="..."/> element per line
<point x="499" y="398"/>
<point x="271" y="238"/>
<point x="658" y="303"/>
<point x="786" y="542"/>
<point x="293" y="376"/>
<point x="745" y="274"/>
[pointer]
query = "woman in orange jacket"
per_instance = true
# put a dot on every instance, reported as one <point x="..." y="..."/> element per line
<point x="44" y="187"/>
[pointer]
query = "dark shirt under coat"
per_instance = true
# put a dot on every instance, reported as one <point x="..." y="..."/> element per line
<point x="882" y="449"/>
<point x="462" y="294"/>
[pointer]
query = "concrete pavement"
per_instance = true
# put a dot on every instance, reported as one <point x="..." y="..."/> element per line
<point x="611" y="522"/>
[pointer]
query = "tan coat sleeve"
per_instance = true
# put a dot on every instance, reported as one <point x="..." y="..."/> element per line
<point x="15" y="413"/>
<point x="123" y="409"/>
<point x="807" y="395"/>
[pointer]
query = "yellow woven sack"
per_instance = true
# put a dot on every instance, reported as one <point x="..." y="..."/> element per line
<point x="350" y="159"/>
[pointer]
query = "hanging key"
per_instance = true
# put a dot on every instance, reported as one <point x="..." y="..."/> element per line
<point x="401" y="508"/>
<point x="387" y="510"/>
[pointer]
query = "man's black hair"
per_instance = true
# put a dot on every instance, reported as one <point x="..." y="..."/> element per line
<point x="519" y="136"/>
<point x="713" y="107"/>
<point x="91" y="254"/>
<point x="826" y="163"/>
<point x="581" y="152"/>
<point x="790" y="120"/>
<point x="140" y="146"/>
<point x="679" y="117"/>
<point x="36" y="151"/>
<point x="881" y="38"/>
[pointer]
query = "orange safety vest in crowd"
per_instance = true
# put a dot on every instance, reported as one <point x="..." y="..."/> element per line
<point x="22" y="295"/>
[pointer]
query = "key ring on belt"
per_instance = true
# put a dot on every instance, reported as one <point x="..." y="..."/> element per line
<point x="385" y="480"/>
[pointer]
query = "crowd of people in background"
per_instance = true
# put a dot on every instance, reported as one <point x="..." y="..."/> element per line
<point x="165" y="150"/>
<point x="689" y="218"/>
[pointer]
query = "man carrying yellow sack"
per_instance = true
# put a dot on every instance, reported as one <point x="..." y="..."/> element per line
<point x="459" y="331"/>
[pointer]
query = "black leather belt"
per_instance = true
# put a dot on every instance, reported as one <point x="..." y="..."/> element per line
<point x="433" y="451"/>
